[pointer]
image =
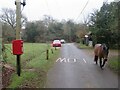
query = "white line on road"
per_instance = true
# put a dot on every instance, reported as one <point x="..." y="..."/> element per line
<point x="63" y="59"/>
<point x="68" y="60"/>
<point x="74" y="60"/>
<point x="84" y="60"/>
<point x="58" y="59"/>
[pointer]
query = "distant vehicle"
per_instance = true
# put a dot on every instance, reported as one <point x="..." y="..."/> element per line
<point x="56" y="43"/>
<point x="62" y="41"/>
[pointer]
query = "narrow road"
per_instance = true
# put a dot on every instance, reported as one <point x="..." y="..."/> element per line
<point x="75" y="69"/>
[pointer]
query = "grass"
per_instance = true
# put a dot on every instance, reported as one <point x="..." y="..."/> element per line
<point x="17" y="81"/>
<point x="34" y="65"/>
<point x="83" y="46"/>
<point x="42" y="62"/>
<point x="30" y="50"/>
<point x="114" y="64"/>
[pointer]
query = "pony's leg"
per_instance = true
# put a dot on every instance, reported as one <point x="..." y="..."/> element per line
<point x="96" y="59"/>
<point x="104" y="62"/>
<point x="100" y="62"/>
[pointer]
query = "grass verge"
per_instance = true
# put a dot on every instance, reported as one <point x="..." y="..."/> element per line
<point x="114" y="64"/>
<point x="34" y="66"/>
<point x="17" y="81"/>
<point x="83" y="46"/>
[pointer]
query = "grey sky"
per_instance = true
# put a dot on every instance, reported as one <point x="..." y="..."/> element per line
<point x="58" y="9"/>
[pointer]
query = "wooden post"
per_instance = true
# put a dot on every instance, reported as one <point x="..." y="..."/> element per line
<point x="47" y="54"/>
<point x="18" y="65"/>
<point x="52" y="51"/>
<point x="55" y="48"/>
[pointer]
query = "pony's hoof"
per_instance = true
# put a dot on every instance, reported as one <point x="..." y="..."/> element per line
<point x="102" y="68"/>
<point x="94" y="62"/>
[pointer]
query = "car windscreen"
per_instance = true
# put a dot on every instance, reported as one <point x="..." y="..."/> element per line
<point x="56" y="41"/>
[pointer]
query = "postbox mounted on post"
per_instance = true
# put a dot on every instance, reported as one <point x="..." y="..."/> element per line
<point x="17" y="47"/>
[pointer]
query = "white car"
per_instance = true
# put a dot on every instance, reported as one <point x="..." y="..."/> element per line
<point x="62" y="41"/>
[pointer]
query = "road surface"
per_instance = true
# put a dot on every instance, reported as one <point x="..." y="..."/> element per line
<point x="75" y="69"/>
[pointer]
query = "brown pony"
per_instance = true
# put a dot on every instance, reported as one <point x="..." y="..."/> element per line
<point x="101" y="51"/>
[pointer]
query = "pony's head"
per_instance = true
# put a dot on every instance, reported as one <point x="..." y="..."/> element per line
<point x="105" y="50"/>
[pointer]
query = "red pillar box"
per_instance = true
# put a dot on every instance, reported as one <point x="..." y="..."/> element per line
<point x="17" y="47"/>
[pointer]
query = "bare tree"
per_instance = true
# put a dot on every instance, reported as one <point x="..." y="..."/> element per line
<point x="9" y="16"/>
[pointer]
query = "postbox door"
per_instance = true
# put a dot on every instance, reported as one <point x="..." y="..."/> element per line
<point x="17" y="46"/>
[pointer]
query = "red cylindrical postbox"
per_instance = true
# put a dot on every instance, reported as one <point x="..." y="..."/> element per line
<point x="17" y="47"/>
